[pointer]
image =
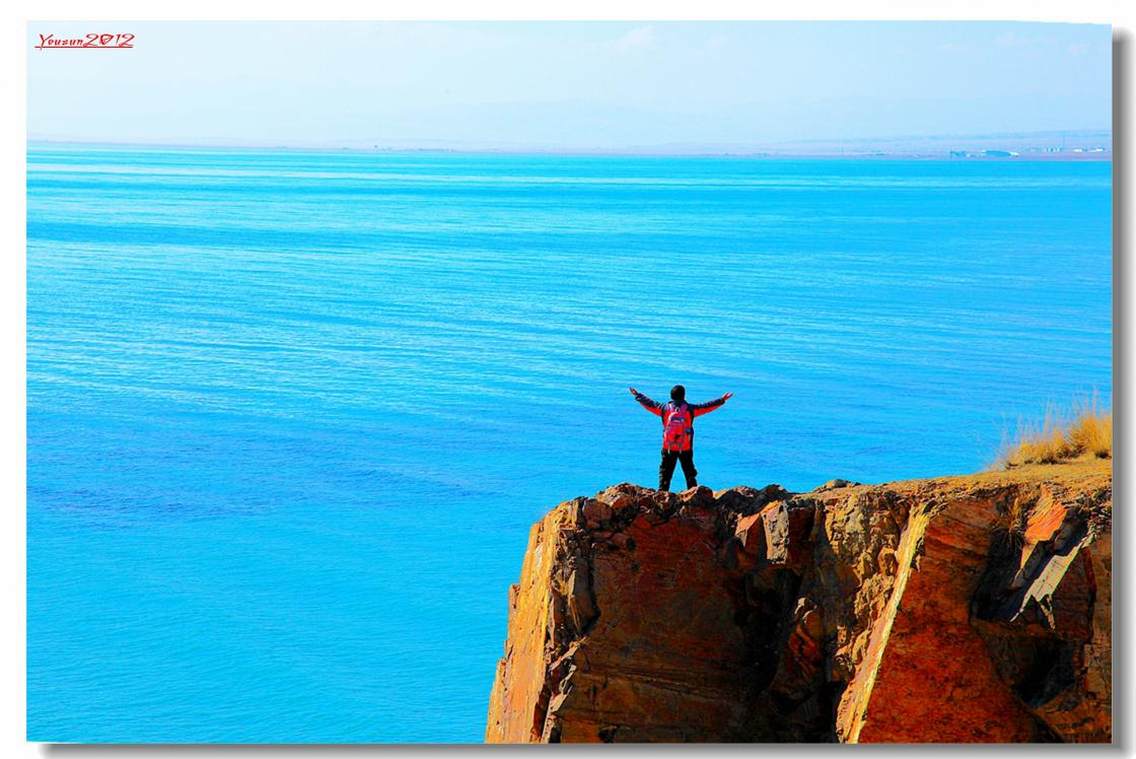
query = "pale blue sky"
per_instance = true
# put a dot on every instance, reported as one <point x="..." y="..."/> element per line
<point x="577" y="85"/>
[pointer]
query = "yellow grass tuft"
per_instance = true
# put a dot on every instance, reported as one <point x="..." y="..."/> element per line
<point x="1091" y="431"/>
<point x="1060" y="437"/>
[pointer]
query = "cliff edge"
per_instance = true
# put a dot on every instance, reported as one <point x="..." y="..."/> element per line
<point x="956" y="609"/>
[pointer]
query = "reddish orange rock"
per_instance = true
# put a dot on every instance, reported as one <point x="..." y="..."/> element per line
<point x="957" y="609"/>
<point x="751" y="536"/>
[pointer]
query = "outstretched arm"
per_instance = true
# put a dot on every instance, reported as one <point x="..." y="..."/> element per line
<point x="698" y="409"/>
<point x="654" y="407"/>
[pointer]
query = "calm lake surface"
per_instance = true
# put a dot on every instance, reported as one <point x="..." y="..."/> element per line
<point x="292" y="413"/>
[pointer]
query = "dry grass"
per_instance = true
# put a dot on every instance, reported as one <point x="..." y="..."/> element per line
<point x="1087" y="431"/>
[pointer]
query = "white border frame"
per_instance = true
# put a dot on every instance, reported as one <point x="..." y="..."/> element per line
<point x="13" y="87"/>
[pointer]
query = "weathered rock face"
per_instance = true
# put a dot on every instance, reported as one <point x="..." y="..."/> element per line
<point x="961" y="609"/>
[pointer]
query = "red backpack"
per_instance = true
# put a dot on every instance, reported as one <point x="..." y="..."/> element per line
<point x="678" y="427"/>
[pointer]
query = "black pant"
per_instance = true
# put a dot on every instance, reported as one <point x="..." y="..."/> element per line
<point x="667" y="467"/>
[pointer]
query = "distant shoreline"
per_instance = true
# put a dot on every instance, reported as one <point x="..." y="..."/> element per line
<point x="1070" y="156"/>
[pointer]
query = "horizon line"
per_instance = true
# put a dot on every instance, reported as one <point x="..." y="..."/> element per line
<point x="825" y="148"/>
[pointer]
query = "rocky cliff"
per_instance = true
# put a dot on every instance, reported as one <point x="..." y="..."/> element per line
<point x="956" y="609"/>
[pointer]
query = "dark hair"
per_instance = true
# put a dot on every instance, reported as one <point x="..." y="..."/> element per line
<point x="678" y="393"/>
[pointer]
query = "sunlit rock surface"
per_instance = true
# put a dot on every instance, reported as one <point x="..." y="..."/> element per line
<point x="956" y="609"/>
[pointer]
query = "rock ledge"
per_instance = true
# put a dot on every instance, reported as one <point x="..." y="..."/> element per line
<point x="956" y="609"/>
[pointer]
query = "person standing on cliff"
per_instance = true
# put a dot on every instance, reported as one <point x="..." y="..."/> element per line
<point x="678" y="431"/>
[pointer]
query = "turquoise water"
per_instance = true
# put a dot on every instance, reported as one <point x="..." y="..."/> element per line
<point x="292" y="413"/>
